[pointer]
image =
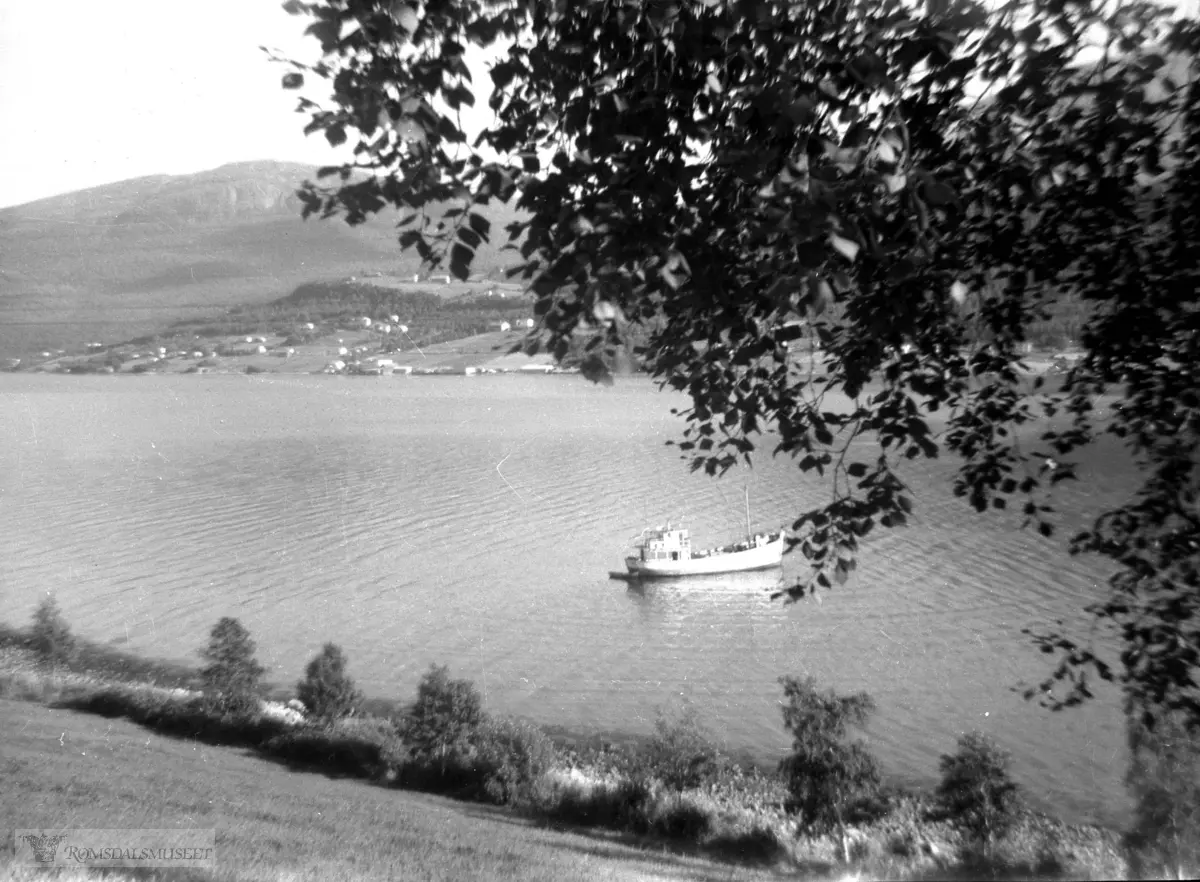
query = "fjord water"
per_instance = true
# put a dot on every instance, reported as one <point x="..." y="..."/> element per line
<point x="473" y="521"/>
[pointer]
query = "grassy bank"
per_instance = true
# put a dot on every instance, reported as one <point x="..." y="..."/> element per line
<point x="67" y="769"/>
<point x="651" y="797"/>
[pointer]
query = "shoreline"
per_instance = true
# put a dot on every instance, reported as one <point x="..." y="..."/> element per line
<point x="375" y="350"/>
<point x="113" y="665"/>
<point x="907" y="835"/>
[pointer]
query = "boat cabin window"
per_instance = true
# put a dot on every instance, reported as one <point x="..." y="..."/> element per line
<point x="674" y="555"/>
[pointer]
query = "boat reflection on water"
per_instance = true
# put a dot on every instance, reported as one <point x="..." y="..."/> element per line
<point x="745" y="590"/>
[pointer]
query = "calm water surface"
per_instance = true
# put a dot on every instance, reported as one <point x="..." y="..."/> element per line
<point x="473" y="521"/>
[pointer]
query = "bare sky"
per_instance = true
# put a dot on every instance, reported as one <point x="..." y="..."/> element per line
<point x="95" y="91"/>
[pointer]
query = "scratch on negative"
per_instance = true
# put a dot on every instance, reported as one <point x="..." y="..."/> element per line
<point x="415" y="346"/>
<point x="504" y="479"/>
<point x="32" y="420"/>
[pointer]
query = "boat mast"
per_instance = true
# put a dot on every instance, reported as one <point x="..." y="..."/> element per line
<point x="747" y="489"/>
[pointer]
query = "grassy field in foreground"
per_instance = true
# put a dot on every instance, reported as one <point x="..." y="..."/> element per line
<point x="63" y="769"/>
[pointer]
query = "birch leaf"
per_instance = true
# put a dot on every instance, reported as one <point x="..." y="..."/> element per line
<point x="848" y="248"/>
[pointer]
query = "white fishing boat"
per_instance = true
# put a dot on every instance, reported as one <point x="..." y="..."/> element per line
<point x="666" y="552"/>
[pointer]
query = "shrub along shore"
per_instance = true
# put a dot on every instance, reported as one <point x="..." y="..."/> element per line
<point x="826" y="807"/>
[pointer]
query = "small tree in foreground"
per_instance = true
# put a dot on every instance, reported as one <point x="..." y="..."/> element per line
<point x="976" y="787"/>
<point x="232" y="676"/>
<point x="1164" y="779"/>
<point x="50" y="634"/>
<point x="444" y="717"/>
<point x="826" y="774"/>
<point x="327" y="690"/>
<point x="681" y="751"/>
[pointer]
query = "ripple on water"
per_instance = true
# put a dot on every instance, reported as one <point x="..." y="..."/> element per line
<point x="475" y="523"/>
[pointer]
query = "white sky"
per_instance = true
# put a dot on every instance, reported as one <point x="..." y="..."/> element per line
<point x="95" y="91"/>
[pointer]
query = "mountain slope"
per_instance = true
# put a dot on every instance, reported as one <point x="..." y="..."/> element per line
<point x="127" y="258"/>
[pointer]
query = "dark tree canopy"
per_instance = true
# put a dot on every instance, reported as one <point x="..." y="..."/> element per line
<point x="827" y="772"/>
<point x="232" y="676"/>
<point x="327" y="690"/>
<point x="444" y="716"/>
<point x="976" y="786"/>
<point x="50" y="634"/>
<point x="904" y="187"/>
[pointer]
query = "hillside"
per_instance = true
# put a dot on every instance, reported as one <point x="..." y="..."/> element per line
<point x="70" y="770"/>
<point x="112" y="262"/>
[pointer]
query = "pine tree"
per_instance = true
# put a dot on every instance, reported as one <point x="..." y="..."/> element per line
<point x="327" y="690"/>
<point x="232" y="676"/>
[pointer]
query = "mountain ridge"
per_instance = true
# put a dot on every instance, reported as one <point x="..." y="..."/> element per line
<point x="132" y="256"/>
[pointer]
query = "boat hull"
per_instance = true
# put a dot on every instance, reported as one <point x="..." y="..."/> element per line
<point x="762" y="557"/>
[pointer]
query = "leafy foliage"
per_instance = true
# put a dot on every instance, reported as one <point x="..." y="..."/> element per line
<point x="513" y="756"/>
<point x="360" y="752"/>
<point x="908" y="186"/>
<point x="1164" y="779"/>
<point x="681" y="752"/>
<point x="678" y="818"/>
<point x="976" y="788"/>
<point x="50" y="635"/>
<point x="232" y="676"/>
<point x="199" y="719"/>
<point x="327" y="690"/>
<point x="625" y="805"/>
<point x="826" y="773"/>
<point x="446" y="714"/>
